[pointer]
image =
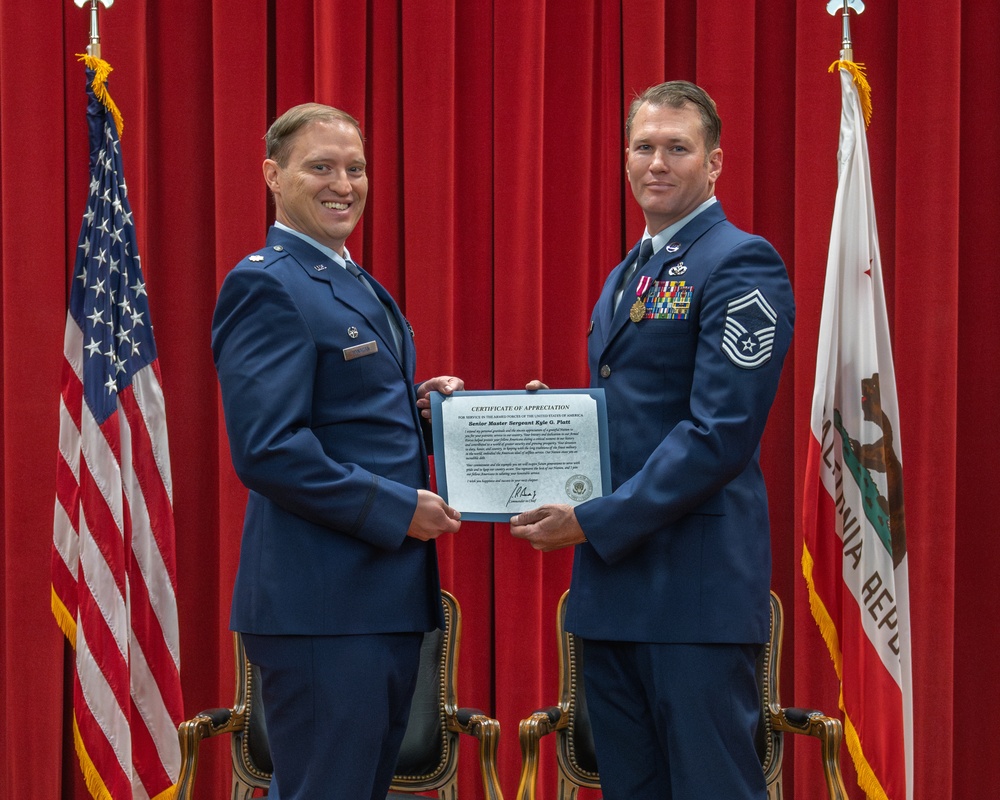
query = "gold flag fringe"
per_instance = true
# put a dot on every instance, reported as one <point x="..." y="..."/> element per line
<point x="823" y="619"/>
<point x="96" y="785"/>
<point x="167" y="794"/>
<point x="866" y="775"/>
<point x="64" y="619"/>
<point x="92" y="777"/>
<point x="101" y="70"/>
<point x="867" y="779"/>
<point x="861" y="81"/>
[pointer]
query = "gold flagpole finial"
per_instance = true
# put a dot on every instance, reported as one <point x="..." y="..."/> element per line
<point x="832" y="7"/>
<point x="94" y="48"/>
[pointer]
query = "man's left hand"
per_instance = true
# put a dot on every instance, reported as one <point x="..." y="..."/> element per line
<point x="446" y="384"/>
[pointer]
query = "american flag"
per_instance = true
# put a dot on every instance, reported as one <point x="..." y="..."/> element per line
<point x="113" y="560"/>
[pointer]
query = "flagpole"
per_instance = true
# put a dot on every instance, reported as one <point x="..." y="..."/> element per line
<point x="114" y="562"/>
<point x="846" y="60"/>
<point x="845" y="6"/>
<point x="94" y="48"/>
<point x="853" y="511"/>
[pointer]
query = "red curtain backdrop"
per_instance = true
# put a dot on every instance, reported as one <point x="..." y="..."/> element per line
<point x="494" y="137"/>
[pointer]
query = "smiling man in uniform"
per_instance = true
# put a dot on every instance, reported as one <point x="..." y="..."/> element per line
<point x="338" y="575"/>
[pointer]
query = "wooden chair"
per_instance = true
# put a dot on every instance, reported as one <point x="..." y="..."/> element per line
<point x="574" y="743"/>
<point x="428" y="759"/>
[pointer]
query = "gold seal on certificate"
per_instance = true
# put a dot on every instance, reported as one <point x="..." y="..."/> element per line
<point x="499" y="453"/>
<point x="579" y="488"/>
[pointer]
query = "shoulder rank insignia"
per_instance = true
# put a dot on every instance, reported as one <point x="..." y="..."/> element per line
<point x="748" y="334"/>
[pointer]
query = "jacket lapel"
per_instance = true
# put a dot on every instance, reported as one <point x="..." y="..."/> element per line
<point x="606" y="302"/>
<point x="655" y="267"/>
<point x="345" y="287"/>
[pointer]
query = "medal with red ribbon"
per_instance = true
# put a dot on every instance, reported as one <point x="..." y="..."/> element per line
<point x="638" y="310"/>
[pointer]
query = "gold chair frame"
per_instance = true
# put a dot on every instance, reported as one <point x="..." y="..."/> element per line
<point x="577" y="766"/>
<point x="251" y="757"/>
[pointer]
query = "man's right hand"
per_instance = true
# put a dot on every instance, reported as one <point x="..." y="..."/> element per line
<point x="432" y="517"/>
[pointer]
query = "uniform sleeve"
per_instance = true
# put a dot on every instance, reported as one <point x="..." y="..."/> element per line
<point x="744" y="331"/>
<point x="266" y="360"/>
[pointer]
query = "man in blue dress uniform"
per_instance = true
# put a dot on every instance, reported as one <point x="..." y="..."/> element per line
<point x="671" y="574"/>
<point x="338" y="575"/>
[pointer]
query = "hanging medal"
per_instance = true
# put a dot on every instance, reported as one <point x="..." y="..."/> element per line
<point x="638" y="310"/>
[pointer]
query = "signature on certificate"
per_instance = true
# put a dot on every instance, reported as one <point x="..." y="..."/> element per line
<point x="521" y="494"/>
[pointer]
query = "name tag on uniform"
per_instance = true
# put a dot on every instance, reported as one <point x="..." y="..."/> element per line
<point x="359" y="350"/>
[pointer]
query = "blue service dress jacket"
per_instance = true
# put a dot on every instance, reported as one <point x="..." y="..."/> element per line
<point x="324" y="431"/>
<point x="679" y="552"/>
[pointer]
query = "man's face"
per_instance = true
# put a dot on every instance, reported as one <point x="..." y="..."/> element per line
<point x="322" y="188"/>
<point x="667" y="164"/>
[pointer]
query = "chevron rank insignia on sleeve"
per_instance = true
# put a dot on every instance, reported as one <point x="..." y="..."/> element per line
<point x="748" y="334"/>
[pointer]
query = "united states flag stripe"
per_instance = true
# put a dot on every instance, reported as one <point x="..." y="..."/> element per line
<point x="113" y="555"/>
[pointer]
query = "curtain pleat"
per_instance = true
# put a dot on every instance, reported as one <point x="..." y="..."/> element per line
<point x="926" y="328"/>
<point x="974" y="267"/>
<point x="31" y="134"/>
<point x="498" y="204"/>
<point x="521" y="261"/>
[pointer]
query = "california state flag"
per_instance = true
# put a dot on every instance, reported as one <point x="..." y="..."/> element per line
<point x="854" y="550"/>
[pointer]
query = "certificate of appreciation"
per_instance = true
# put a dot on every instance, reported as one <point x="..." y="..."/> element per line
<point x="499" y="453"/>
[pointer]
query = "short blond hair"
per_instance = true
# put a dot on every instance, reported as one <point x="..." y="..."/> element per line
<point x="278" y="139"/>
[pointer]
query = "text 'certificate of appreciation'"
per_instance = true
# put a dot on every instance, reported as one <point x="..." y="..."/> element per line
<point x="499" y="453"/>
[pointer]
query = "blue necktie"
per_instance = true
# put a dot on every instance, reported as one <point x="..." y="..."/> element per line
<point x="645" y="251"/>
<point x="355" y="270"/>
<point x="397" y="335"/>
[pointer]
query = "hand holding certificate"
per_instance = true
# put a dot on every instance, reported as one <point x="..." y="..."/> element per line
<point x="499" y="453"/>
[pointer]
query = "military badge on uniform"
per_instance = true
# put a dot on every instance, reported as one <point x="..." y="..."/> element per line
<point x="663" y="300"/>
<point x="256" y="257"/>
<point x="669" y="300"/>
<point x="638" y="311"/>
<point x="748" y="334"/>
